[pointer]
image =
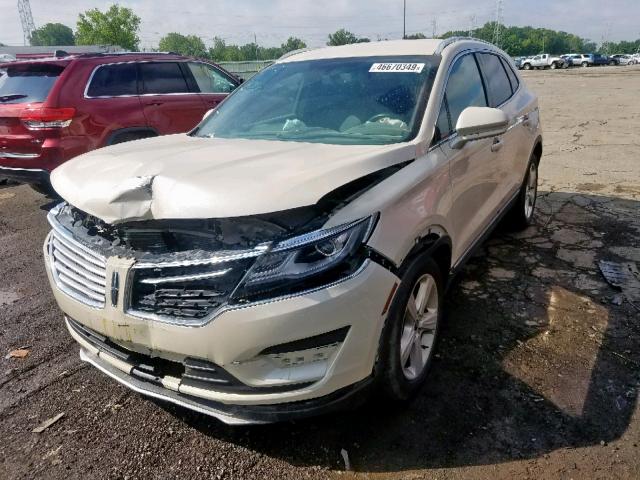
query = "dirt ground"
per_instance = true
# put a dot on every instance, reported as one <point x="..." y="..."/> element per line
<point x="536" y="376"/>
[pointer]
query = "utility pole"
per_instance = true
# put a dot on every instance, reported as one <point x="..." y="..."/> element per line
<point x="605" y="39"/>
<point x="472" y="27"/>
<point x="255" y="42"/>
<point x="434" y="28"/>
<point x="497" y="32"/>
<point x="404" y="20"/>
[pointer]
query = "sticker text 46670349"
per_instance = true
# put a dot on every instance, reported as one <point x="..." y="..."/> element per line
<point x="396" y="68"/>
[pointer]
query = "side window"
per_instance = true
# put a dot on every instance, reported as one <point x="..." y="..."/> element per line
<point x="162" y="77"/>
<point x="209" y="80"/>
<point x="464" y="88"/>
<point x="513" y="78"/>
<point x="114" y="81"/>
<point x="498" y="85"/>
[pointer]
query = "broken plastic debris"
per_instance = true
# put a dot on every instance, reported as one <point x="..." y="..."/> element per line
<point x="624" y="276"/>
<point x="345" y="457"/>
<point x="47" y="423"/>
<point x="21" y="352"/>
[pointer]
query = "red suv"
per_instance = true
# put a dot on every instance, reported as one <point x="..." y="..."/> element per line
<point x="54" y="109"/>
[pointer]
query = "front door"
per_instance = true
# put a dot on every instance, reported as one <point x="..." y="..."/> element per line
<point x="475" y="168"/>
<point x="213" y="84"/>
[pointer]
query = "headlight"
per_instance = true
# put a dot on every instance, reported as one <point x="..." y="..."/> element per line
<point x="307" y="261"/>
<point x="189" y="291"/>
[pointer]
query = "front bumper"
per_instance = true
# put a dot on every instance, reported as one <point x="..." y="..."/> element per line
<point x="234" y="415"/>
<point x="236" y="341"/>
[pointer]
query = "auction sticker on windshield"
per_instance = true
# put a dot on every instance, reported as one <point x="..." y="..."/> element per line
<point x="397" y="67"/>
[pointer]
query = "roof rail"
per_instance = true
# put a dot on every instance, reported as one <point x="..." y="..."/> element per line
<point x="295" y="52"/>
<point x="111" y="54"/>
<point x="448" y="41"/>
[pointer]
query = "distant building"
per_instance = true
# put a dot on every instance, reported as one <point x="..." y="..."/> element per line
<point x="43" y="52"/>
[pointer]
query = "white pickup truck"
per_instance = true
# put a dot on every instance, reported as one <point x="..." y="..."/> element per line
<point x="543" y="61"/>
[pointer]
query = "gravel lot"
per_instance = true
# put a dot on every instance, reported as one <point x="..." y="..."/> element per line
<point x="537" y="374"/>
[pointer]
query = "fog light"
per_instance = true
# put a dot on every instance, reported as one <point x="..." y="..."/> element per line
<point x="300" y="362"/>
<point x="292" y="359"/>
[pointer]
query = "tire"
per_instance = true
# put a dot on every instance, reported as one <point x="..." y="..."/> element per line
<point x="397" y="380"/>
<point x="521" y="214"/>
<point x="554" y="65"/>
<point x="612" y="64"/>
<point x="585" y="64"/>
<point x="527" y="66"/>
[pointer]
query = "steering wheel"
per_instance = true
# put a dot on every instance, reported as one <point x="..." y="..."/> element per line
<point x="380" y="116"/>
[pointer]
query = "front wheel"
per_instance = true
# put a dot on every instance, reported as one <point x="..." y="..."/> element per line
<point x="554" y="66"/>
<point x="521" y="214"/>
<point x="527" y="66"/>
<point x="585" y="64"/>
<point x="410" y="332"/>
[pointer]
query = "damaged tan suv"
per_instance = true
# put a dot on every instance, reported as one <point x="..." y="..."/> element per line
<point x="292" y="252"/>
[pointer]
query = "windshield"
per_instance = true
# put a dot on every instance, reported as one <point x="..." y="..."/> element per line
<point x="358" y="101"/>
<point x="28" y="83"/>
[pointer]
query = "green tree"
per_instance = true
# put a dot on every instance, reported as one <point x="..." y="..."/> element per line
<point x="190" y="45"/>
<point x="416" y="36"/>
<point x="117" y="26"/>
<point x="524" y="41"/>
<point x="292" y="44"/>
<point x="52" y="34"/>
<point x="342" y="37"/>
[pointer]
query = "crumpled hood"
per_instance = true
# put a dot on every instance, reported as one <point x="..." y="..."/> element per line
<point x="181" y="177"/>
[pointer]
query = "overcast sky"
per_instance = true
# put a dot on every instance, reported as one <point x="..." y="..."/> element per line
<point x="272" y="21"/>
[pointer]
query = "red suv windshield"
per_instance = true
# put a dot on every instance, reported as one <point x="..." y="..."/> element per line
<point x="28" y="83"/>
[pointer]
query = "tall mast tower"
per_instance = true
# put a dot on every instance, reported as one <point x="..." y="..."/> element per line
<point x="26" y="17"/>
<point x="497" y="32"/>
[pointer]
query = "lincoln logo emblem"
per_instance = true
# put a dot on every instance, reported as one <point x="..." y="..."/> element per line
<point x="115" y="288"/>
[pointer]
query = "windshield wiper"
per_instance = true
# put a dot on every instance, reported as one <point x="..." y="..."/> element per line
<point x="12" y="96"/>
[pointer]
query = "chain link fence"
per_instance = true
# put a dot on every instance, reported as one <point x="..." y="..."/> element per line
<point x="246" y="69"/>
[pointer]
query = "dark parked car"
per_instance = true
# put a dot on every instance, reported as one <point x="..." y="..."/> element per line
<point x="54" y="109"/>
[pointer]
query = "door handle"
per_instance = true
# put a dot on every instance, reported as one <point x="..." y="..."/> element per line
<point x="497" y="144"/>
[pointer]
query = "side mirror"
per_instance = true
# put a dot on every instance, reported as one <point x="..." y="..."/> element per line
<point x="208" y="114"/>
<point x="476" y="123"/>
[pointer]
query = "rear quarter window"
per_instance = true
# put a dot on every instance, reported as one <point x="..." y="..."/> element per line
<point x="28" y="83"/>
<point x="114" y="81"/>
<point x="513" y="78"/>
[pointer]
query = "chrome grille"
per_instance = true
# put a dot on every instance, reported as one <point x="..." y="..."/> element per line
<point x="77" y="271"/>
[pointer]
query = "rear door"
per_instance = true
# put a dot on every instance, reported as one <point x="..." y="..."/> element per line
<point x="23" y="86"/>
<point x="501" y="84"/>
<point x="214" y="85"/>
<point x="170" y="105"/>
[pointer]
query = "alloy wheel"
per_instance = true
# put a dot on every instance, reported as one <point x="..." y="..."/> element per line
<point x="531" y="191"/>
<point x="419" y="327"/>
